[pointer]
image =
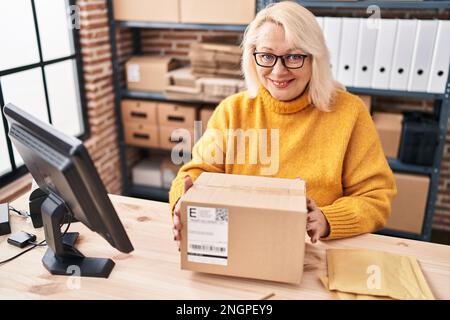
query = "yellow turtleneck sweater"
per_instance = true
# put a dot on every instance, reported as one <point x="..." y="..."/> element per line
<point x="337" y="153"/>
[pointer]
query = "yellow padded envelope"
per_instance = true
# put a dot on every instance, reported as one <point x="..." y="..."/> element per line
<point x="370" y="272"/>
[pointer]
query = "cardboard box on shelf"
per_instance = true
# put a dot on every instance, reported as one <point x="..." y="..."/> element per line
<point x="408" y="207"/>
<point x="217" y="11"/>
<point x="367" y="101"/>
<point x="139" y="111"/>
<point x="169" y="171"/>
<point x="148" y="72"/>
<point x="205" y="114"/>
<point x="174" y="115"/>
<point x="256" y="227"/>
<point x="170" y="137"/>
<point x="147" y="173"/>
<point x="220" y="88"/>
<point x="389" y="127"/>
<point x="214" y="59"/>
<point x="147" y="10"/>
<point x="142" y="135"/>
<point x="182" y="77"/>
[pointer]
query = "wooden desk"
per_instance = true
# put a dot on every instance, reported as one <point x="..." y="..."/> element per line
<point x="152" y="271"/>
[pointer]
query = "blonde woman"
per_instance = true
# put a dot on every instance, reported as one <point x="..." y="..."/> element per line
<point x="325" y="134"/>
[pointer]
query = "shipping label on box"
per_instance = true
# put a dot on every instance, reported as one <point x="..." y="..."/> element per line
<point x="133" y="73"/>
<point x="207" y="235"/>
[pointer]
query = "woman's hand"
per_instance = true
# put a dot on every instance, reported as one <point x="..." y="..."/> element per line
<point x="177" y="213"/>
<point x="316" y="223"/>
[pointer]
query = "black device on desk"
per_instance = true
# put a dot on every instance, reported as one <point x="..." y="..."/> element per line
<point x="62" y="168"/>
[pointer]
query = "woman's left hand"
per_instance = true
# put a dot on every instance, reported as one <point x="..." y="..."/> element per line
<point x="317" y="225"/>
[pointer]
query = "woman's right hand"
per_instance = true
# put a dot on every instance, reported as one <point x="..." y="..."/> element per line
<point x="177" y="226"/>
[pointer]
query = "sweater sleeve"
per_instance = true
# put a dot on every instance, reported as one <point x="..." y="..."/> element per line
<point x="208" y="154"/>
<point x="368" y="184"/>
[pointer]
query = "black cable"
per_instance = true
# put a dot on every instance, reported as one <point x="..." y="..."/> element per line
<point x="40" y="244"/>
<point x="19" y="212"/>
<point x="23" y="252"/>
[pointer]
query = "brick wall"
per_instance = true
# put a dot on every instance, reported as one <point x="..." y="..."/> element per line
<point x="96" y="52"/>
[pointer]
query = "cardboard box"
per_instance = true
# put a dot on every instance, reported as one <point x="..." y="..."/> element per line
<point x="389" y="127"/>
<point x="182" y="77"/>
<point x="142" y="135"/>
<point x="169" y="171"/>
<point x="367" y="101"/>
<point x="170" y="137"/>
<point x="408" y="207"/>
<point x="147" y="10"/>
<point x="174" y="115"/>
<point x="205" y="114"/>
<point x="148" y="72"/>
<point x="217" y="11"/>
<point x="147" y="173"/>
<point x="138" y="111"/>
<point x="255" y="227"/>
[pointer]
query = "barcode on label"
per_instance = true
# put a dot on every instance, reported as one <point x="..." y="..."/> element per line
<point x="207" y="248"/>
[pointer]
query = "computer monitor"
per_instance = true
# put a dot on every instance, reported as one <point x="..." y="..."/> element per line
<point x="63" y="170"/>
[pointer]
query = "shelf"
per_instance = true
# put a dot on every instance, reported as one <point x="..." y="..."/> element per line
<point x="396" y="165"/>
<point x="416" y="5"/>
<point x="151" y="193"/>
<point x="396" y="93"/>
<point x="147" y="95"/>
<point x="174" y="25"/>
<point x="137" y="94"/>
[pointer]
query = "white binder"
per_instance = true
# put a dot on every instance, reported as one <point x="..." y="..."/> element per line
<point x="367" y="40"/>
<point x="348" y="51"/>
<point x="320" y="21"/>
<point x="423" y="54"/>
<point x="383" y="53"/>
<point x="332" y="31"/>
<point x="404" y="48"/>
<point x="441" y="59"/>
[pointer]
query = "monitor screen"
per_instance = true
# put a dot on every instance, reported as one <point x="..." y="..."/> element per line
<point x="62" y="168"/>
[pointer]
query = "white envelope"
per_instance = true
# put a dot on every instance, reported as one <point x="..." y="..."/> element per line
<point x="384" y="53"/>
<point x="404" y="48"/>
<point x="441" y="58"/>
<point x="348" y="51"/>
<point x="423" y="55"/>
<point x="332" y="31"/>
<point x="367" y="40"/>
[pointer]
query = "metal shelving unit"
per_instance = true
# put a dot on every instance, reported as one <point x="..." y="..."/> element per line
<point x="441" y="101"/>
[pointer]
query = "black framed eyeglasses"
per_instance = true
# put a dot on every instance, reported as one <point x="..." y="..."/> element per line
<point x="290" y="61"/>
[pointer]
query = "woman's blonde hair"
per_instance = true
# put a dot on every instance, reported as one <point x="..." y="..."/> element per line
<point x="302" y="31"/>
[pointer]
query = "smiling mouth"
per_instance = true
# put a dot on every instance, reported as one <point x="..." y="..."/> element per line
<point x="280" y="84"/>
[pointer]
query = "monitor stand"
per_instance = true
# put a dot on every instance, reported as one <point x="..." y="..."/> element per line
<point x="62" y="258"/>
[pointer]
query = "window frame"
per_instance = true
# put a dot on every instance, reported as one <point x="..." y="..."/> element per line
<point x="17" y="172"/>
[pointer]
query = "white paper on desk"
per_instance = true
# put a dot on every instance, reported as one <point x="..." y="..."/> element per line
<point x="384" y="53"/>
<point x="423" y="55"/>
<point x="441" y="59"/>
<point x="207" y="235"/>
